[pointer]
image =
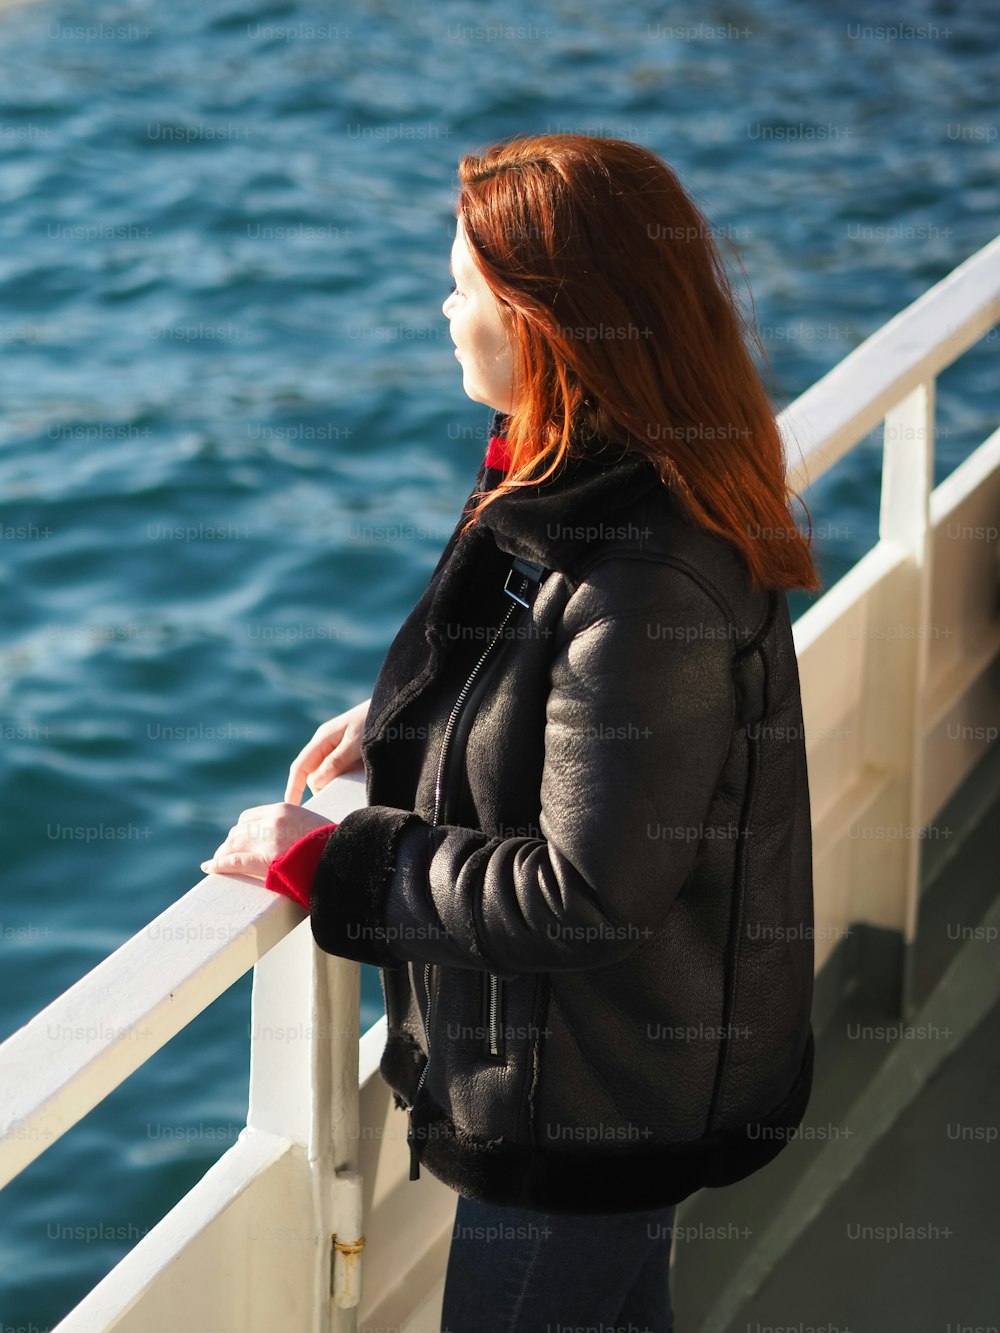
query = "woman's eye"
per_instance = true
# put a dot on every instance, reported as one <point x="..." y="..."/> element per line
<point x="453" y="291"/>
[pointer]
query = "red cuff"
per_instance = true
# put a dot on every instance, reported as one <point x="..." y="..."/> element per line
<point x="292" y="872"/>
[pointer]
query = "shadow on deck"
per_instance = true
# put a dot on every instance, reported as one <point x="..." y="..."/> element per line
<point x="883" y="1216"/>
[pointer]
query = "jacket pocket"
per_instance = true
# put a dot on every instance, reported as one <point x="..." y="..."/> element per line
<point x="493" y="1007"/>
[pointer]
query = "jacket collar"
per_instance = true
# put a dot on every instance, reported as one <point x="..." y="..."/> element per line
<point x="558" y="524"/>
<point x="589" y="499"/>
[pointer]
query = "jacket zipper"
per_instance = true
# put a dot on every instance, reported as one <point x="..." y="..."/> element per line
<point x="518" y="600"/>
<point x="494" y="1015"/>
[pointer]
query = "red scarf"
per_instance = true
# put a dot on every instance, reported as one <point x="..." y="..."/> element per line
<point x="497" y="454"/>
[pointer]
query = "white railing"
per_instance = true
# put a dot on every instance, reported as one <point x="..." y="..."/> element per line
<point x="899" y="702"/>
<point x="877" y="725"/>
<point x="302" y="1119"/>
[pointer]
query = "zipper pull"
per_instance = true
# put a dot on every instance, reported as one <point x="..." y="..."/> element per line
<point x="412" y="1142"/>
<point x="530" y="576"/>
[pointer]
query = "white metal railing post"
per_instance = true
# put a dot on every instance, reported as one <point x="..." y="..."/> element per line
<point x="304" y="1083"/>
<point x="305" y="1034"/>
<point x="342" y="1135"/>
<point x="289" y="1080"/>
<point x="905" y="519"/>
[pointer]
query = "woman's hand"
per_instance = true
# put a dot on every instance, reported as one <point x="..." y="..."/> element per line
<point x="334" y="748"/>
<point x="261" y="834"/>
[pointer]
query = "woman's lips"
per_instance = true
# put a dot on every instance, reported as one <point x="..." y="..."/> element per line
<point x="457" y="352"/>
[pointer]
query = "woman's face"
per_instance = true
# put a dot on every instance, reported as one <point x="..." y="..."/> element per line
<point x="481" y="342"/>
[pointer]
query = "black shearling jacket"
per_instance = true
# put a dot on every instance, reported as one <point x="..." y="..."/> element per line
<point x="594" y="908"/>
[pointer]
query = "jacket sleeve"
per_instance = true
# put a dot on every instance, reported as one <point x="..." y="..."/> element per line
<point x="638" y="723"/>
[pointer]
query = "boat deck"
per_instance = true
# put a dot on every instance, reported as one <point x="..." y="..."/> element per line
<point x="892" y="1225"/>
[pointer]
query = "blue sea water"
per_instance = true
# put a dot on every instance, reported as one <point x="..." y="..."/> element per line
<point x="233" y="437"/>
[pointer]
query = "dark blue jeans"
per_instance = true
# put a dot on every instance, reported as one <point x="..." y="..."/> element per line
<point x="512" y="1270"/>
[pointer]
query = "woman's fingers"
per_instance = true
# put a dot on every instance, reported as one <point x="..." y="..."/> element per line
<point x="311" y="756"/>
<point x="254" y="864"/>
<point x="346" y="755"/>
<point x="335" y="747"/>
<point x="263" y="833"/>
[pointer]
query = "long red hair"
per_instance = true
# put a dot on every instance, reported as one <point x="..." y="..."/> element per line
<point x="625" y="326"/>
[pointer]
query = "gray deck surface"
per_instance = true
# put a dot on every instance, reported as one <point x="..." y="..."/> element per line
<point x="936" y="1168"/>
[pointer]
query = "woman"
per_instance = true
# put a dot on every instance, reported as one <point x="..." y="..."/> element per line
<point x="585" y="863"/>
